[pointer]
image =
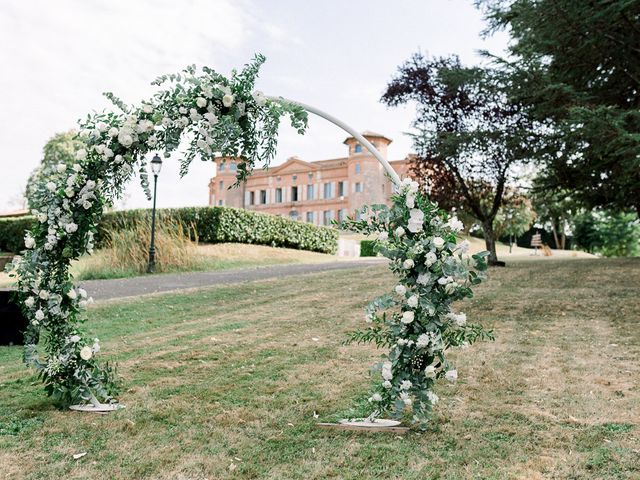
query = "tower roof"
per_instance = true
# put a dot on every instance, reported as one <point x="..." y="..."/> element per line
<point x="369" y="134"/>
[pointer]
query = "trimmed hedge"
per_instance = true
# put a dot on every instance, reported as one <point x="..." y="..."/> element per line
<point x="368" y="248"/>
<point x="212" y="225"/>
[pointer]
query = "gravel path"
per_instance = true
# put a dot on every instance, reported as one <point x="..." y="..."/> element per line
<point x="133" y="287"/>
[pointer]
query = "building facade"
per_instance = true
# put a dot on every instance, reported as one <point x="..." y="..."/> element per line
<point x="315" y="192"/>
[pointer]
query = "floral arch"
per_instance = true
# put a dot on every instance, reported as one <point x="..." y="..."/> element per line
<point x="216" y="114"/>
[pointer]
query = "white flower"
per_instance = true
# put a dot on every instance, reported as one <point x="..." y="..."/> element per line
<point x="430" y="372"/>
<point x="29" y="241"/>
<point x="368" y="317"/>
<point x="386" y="371"/>
<point x="82" y="292"/>
<point x="407" y="317"/>
<point x="39" y="315"/>
<point x="433" y="398"/>
<point x="459" y="319"/>
<point x="404" y="396"/>
<point x="30" y="302"/>
<point x="423" y="279"/>
<point x="430" y="259"/>
<point x="152" y="141"/>
<point x="42" y="217"/>
<point x="399" y="232"/>
<point x="61" y="167"/>
<point x="183" y="110"/>
<point x="423" y="340"/>
<point x="383" y="236"/>
<point x="259" y="98"/>
<point x="51" y="186"/>
<point x="69" y="192"/>
<point x="413" y="301"/>
<point x="77" y="167"/>
<point x="101" y="126"/>
<point x="376" y="397"/>
<point x="201" y="102"/>
<point x="81" y="154"/>
<point x="74" y="338"/>
<point x="227" y="100"/>
<point x="86" y="204"/>
<point x="386" y="384"/>
<point x="71" y="227"/>
<point x="455" y="224"/>
<point x="83" y="304"/>
<point x="119" y="159"/>
<point x="96" y="346"/>
<point x="113" y="132"/>
<point x="408" y="264"/>
<point x="125" y="139"/>
<point x="438" y="242"/>
<point x="416" y="220"/>
<point x="451" y="375"/>
<point x="72" y="294"/>
<point x="410" y="201"/>
<point x="86" y="353"/>
<point x="400" y="289"/>
<point x="107" y="153"/>
<point x="405" y="385"/>
<point x="211" y="118"/>
<point x="147" y="108"/>
<point x="166" y="121"/>
<point x="44" y="295"/>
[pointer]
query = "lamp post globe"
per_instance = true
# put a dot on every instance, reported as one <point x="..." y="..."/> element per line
<point x="156" y="166"/>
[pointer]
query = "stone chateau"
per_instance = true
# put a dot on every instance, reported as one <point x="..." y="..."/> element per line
<point x="315" y="192"/>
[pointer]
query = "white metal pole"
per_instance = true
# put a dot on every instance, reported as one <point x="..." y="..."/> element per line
<point x="392" y="173"/>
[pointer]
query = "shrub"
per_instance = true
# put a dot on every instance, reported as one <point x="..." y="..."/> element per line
<point x="210" y="225"/>
<point x="368" y="248"/>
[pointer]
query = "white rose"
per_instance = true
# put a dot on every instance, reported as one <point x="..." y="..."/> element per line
<point x="182" y="110"/>
<point x="408" y="264"/>
<point x="39" y="315"/>
<point x="42" y="217"/>
<point x="108" y="153"/>
<point x="101" y="126"/>
<point x="82" y="292"/>
<point x="227" y="100"/>
<point x="72" y="294"/>
<point x="77" y="167"/>
<point x="74" y="338"/>
<point x="438" y="242"/>
<point x="383" y="236"/>
<point x="71" y="227"/>
<point x="400" y="289"/>
<point x="433" y="398"/>
<point x="125" y="139"/>
<point x="405" y="385"/>
<point x="413" y="301"/>
<point x="461" y="319"/>
<point x="376" y="397"/>
<point x="386" y="371"/>
<point x="423" y="279"/>
<point x="61" y="167"/>
<point x="407" y="317"/>
<point x="404" y="396"/>
<point x="211" y="118"/>
<point x="51" y="186"/>
<point x="451" y="375"/>
<point x="201" y="102"/>
<point x="410" y="201"/>
<point x="146" y="108"/>
<point x="399" y="232"/>
<point x="386" y="384"/>
<point x="69" y="192"/>
<point x="113" y="132"/>
<point x="29" y="241"/>
<point x="86" y="353"/>
<point x="430" y="259"/>
<point x="430" y="372"/>
<point x="119" y="159"/>
<point x="455" y="224"/>
<point x="44" y="295"/>
<point x="259" y="98"/>
<point x="30" y="302"/>
<point x="81" y="154"/>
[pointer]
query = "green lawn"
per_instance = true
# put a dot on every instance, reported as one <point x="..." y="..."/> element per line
<point x="224" y="383"/>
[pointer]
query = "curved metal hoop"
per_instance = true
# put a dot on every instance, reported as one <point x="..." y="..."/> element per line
<point x="387" y="166"/>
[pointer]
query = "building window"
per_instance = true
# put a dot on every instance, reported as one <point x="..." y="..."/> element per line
<point x="341" y="188"/>
<point x="328" y="193"/>
<point x="310" y="192"/>
<point x="294" y="194"/>
<point x="233" y="167"/>
<point x="295" y="177"/>
<point x="311" y="176"/>
<point x="293" y="215"/>
<point x="327" y="217"/>
<point x="220" y="202"/>
<point x="358" y="148"/>
<point x="357" y="168"/>
<point x="358" y="187"/>
<point x="221" y="185"/>
<point x="309" y="217"/>
<point x="221" y="167"/>
<point x="278" y="195"/>
<point x="263" y="197"/>
<point x="342" y="214"/>
<point x="252" y="198"/>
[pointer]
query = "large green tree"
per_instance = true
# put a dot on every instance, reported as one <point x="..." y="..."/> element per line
<point x="60" y="149"/>
<point x="468" y="134"/>
<point x="576" y="65"/>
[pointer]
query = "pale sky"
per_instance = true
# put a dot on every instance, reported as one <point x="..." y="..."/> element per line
<point x="57" y="58"/>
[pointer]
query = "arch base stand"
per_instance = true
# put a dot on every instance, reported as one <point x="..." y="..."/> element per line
<point x="102" y="408"/>
<point x="366" y="425"/>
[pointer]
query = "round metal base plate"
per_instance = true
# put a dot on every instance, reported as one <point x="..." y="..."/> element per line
<point x="101" y="408"/>
<point x="363" y="422"/>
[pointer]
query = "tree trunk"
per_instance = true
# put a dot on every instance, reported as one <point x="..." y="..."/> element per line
<point x="490" y="242"/>
<point x="554" y="229"/>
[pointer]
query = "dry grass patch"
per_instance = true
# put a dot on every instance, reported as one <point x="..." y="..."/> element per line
<point x="224" y="383"/>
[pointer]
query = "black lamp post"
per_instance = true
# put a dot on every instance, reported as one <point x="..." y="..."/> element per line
<point x="156" y="166"/>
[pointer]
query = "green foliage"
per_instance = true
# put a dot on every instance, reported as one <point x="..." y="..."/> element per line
<point x="368" y="248"/>
<point x="611" y="234"/>
<point x="210" y="225"/>
<point x="60" y="149"/>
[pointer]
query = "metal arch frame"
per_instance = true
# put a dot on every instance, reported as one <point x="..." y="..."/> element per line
<point x="387" y="166"/>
